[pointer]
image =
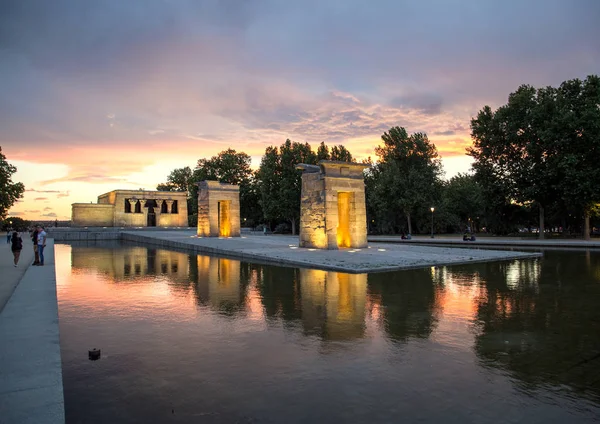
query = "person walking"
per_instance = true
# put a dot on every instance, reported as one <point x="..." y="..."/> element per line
<point x="16" y="245"/>
<point x="8" y="235"/>
<point x="41" y="243"/>
<point x="34" y="236"/>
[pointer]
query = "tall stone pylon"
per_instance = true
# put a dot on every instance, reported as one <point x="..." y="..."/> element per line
<point x="218" y="209"/>
<point x="332" y="208"/>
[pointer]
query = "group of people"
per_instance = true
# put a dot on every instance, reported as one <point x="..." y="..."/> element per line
<point x="38" y="237"/>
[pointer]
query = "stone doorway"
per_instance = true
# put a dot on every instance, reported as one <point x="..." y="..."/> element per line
<point x="224" y="218"/>
<point x="151" y="218"/>
<point x="344" y="212"/>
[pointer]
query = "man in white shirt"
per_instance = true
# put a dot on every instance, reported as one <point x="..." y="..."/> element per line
<point x="41" y="243"/>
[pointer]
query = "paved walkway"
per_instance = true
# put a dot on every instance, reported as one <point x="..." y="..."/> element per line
<point x="31" y="388"/>
<point x="284" y="250"/>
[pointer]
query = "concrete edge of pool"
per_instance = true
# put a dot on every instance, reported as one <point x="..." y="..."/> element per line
<point x="282" y="251"/>
<point x="31" y="387"/>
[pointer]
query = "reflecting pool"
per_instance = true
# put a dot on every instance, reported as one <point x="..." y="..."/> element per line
<point x="193" y="338"/>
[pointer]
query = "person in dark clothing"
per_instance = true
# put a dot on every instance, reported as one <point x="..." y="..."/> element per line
<point x="34" y="235"/>
<point x="16" y="245"/>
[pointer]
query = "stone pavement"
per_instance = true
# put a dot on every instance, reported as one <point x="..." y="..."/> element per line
<point x="284" y="250"/>
<point x="31" y="389"/>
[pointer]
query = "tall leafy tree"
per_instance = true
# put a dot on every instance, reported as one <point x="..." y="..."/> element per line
<point x="408" y="174"/>
<point x="576" y="129"/>
<point x="323" y="152"/>
<point x="541" y="146"/>
<point x="508" y="147"/>
<point x="178" y="180"/>
<point x="340" y="153"/>
<point x="463" y="197"/>
<point x="290" y="186"/>
<point x="268" y="177"/>
<point x="10" y="191"/>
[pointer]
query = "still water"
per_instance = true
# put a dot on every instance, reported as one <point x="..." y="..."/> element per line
<point x="199" y="339"/>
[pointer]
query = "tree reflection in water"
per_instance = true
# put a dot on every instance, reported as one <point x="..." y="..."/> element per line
<point x="540" y="320"/>
<point x="537" y="319"/>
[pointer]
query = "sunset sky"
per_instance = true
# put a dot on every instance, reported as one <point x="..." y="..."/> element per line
<point x="113" y="94"/>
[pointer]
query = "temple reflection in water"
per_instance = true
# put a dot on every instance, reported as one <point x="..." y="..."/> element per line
<point x="535" y="319"/>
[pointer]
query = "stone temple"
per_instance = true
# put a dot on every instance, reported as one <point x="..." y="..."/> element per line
<point x="133" y="208"/>
<point x="218" y="209"/>
<point x="332" y="210"/>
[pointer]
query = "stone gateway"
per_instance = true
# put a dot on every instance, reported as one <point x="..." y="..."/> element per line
<point x="218" y="209"/>
<point x="133" y="208"/>
<point x="332" y="209"/>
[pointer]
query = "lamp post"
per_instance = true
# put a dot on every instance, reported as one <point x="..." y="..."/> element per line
<point x="432" y="209"/>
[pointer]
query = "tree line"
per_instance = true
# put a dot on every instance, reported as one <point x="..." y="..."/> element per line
<point x="534" y="167"/>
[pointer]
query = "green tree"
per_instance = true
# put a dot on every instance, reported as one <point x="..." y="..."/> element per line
<point x="323" y="152"/>
<point x="16" y="223"/>
<point x="290" y="185"/>
<point x="576" y="131"/>
<point x="269" y="177"/>
<point x="340" y="153"/>
<point x="231" y="167"/>
<point x="463" y="198"/>
<point x="407" y="175"/>
<point x="508" y="147"/>
<point x="9" y="190"/>
<point x="178" y="180"/>
<point x="541" y="147"/>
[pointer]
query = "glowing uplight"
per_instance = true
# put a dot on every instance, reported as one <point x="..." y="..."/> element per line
<point x="244" y="237"/>
<point x="225" y="218"/>
<point x="293" y="247"/>
<point x="381" y="250"/>
<point x="311" y="250"/>
<point x="343" y="230"/>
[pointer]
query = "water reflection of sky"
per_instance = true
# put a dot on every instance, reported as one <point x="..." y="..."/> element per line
<point x="460" y="344"/>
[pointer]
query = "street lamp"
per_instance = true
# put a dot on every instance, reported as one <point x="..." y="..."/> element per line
<point x="432" y="209"/>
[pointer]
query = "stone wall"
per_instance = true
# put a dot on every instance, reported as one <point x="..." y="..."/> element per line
<point x="92" y="215"/>
<point x="319" y="209"/>
<point x="210" y="193"/>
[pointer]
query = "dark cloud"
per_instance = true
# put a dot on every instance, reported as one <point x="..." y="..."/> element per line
<point x="447" y="132"/>
<point x="113" y="72"/>
<point x="50" y="215"/>
<point x="40" y="198"/>
<point x="429" y="104"/>
<point x="48" y="208"/>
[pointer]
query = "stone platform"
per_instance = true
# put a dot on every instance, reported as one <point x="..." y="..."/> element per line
<point x="284" y="251"/>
